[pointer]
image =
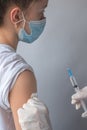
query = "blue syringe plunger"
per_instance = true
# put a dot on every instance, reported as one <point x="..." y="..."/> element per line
<point x="70" y="72"/>
<point x="72" y="78"/>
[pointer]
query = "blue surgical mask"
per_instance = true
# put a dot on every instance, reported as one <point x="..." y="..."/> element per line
<point x="36" y="28"/>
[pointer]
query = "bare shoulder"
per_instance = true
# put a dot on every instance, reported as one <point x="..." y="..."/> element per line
<point x="23" y="88"/>
<point x="25" y="85"/>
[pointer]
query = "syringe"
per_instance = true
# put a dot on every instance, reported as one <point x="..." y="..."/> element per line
<point x="75" y="85"/>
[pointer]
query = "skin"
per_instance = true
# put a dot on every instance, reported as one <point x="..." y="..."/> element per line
<point x="25" y="84"/>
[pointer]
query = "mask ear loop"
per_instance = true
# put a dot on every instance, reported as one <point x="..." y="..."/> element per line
<point x="22" y="20"/>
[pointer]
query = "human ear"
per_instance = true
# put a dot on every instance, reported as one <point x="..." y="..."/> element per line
<point x="15" y="15"/>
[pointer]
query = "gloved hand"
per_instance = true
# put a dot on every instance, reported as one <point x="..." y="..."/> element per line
<point x="80" y="95"/>
<point x="34" y="115"/>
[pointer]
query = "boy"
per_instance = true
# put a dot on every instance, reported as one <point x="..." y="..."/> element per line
<point x="20" y="20"/>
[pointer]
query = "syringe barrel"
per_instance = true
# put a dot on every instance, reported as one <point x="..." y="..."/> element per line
<point x="73" y="81"/>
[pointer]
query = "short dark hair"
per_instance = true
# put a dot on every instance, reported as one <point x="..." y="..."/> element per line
<point x="5" y="4"/>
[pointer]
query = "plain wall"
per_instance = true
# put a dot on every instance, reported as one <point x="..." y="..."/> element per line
<point x="63" y="44"/>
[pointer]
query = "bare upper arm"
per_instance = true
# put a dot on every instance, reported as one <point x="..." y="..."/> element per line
<point x="21" y="92"/>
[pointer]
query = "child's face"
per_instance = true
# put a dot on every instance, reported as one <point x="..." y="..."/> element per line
<point x="35" y="12"/>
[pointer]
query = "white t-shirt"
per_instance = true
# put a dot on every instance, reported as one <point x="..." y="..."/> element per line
<point x="11" y="65"/>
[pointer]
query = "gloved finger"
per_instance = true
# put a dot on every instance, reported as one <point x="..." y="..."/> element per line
<point x="81" y="94"/>
<point x="84" y="115"/>
<point x="74" y="101"/>
<point x="78" y="96"/>
<point x="78" y="105"/>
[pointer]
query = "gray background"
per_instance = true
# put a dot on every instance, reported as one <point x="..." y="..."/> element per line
<point x="63" y="44"/>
